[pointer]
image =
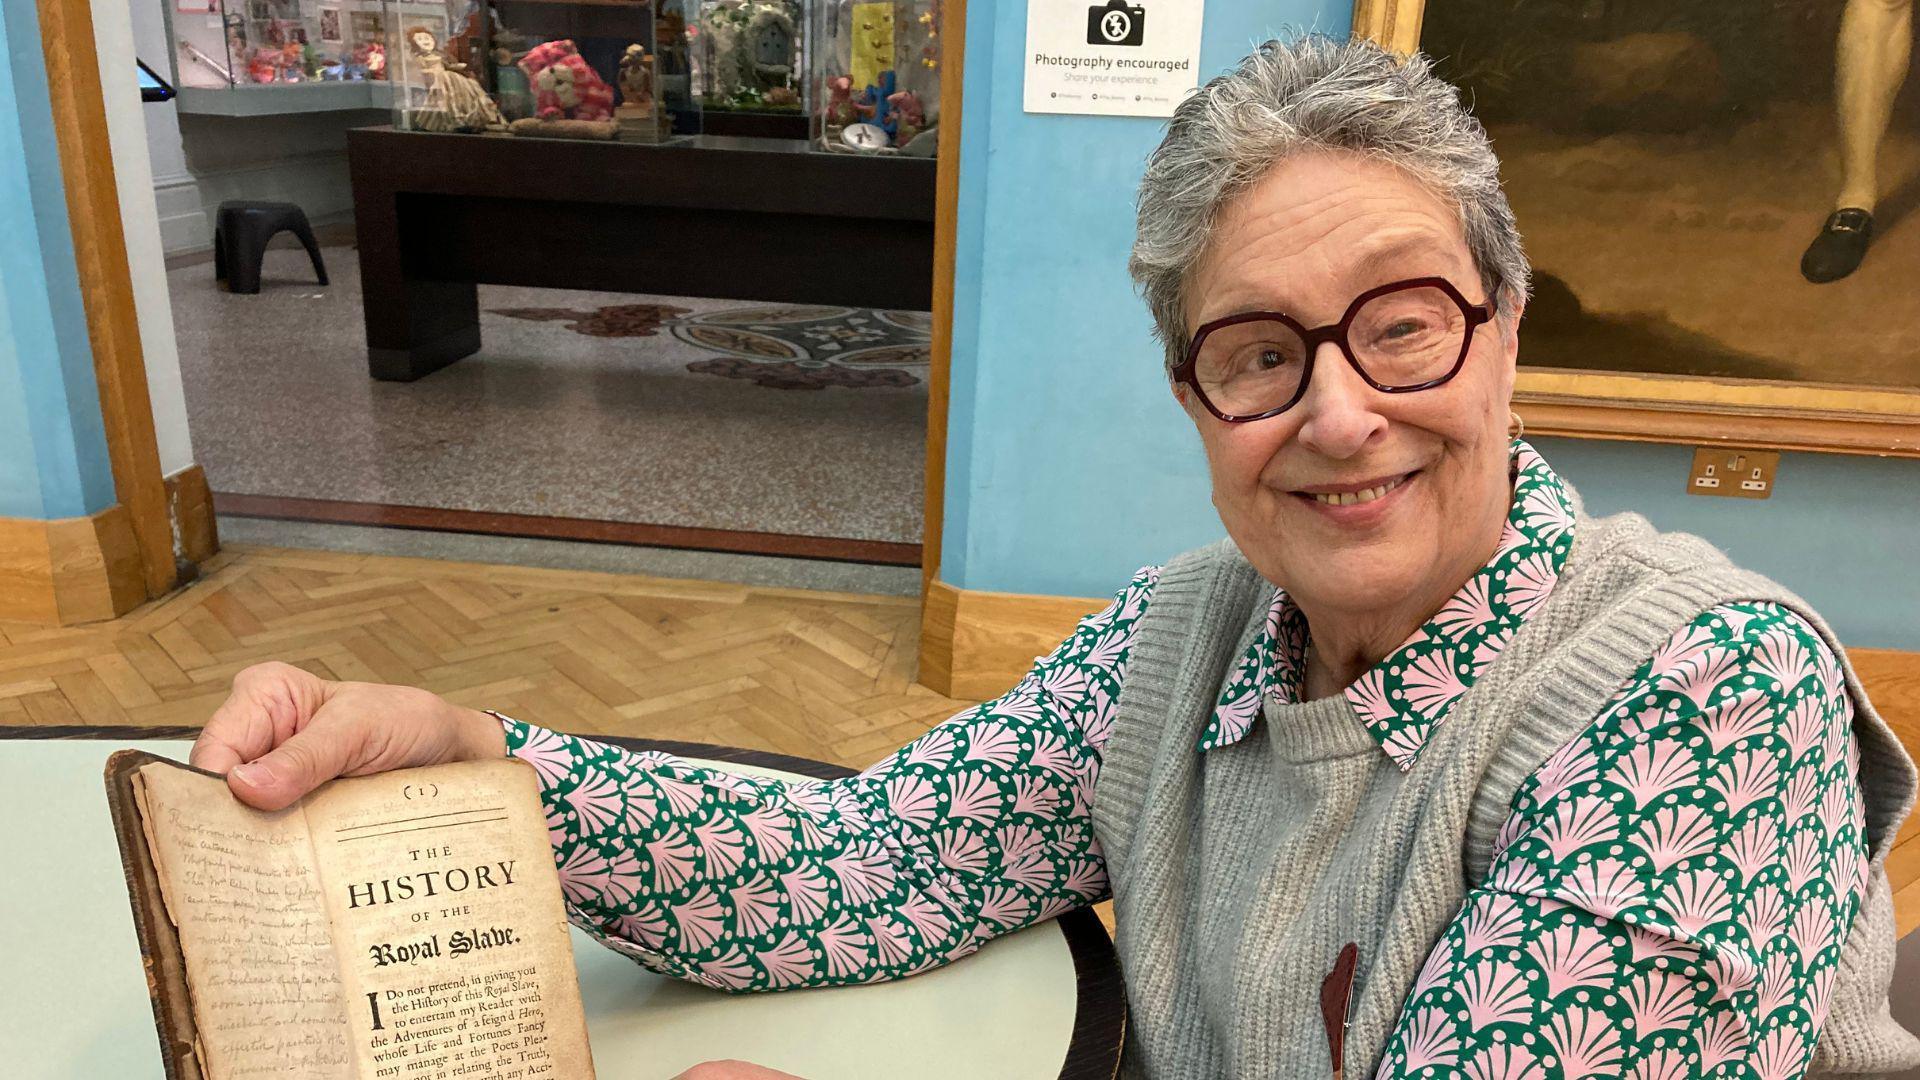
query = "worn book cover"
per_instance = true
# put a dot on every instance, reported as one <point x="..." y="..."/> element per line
<point x="407" y="924"/>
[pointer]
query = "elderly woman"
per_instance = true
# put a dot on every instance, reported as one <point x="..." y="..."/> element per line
<point x="1578" y="798"/>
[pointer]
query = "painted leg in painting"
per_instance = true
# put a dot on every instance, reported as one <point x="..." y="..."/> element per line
<point x="1870" y="64"/>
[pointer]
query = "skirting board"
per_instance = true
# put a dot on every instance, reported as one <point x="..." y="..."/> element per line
<point x="975" y="645"/>
<point x="73" y="570"/>
<point x="190" y="504"/>
<point x="80" y="570"/>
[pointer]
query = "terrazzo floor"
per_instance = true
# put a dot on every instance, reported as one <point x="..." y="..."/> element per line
<point x="643" y="409"/>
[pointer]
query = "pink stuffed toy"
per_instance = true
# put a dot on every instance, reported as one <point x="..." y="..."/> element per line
<point x="565" y="87"/>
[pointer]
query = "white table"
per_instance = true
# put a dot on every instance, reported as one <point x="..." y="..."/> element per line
<point x="75" y="1002"/>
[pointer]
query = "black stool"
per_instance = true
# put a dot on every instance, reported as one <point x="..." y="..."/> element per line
<point x="240" y="235"/>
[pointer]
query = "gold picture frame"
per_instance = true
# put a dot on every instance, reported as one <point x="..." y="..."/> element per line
<point x="1686" y="409"/>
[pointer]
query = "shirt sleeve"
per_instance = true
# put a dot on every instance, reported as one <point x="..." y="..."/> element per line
<point x="977" y="828"/>
<point x="1669" y="897"/>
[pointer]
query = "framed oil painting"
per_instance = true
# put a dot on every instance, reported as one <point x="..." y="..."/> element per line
<point x="1706" y="269"/>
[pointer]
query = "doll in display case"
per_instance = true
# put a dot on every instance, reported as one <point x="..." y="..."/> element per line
<point x="570" y="99"/>
<point x="371" y="59"/>
<point x="875" y="69"/>
<point x="579" y="69"/>
<point x="455" y="99"/>
<point x="638" y="114"/>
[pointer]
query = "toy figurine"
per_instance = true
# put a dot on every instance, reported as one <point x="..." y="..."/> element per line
<point x="875" y="103"/>
<point x="373" y="56"/>
<point x="636" y="81"/>
<point x="455" y="99"/>
<point x="910" y="117"/>
<point x="263" y="66"/>
<point x="839" y="110"/>
<point x="782" y="97"/>
<point x="638" y="117"/>
<point x="293" y="61"/>
<point x="565" y="86"/>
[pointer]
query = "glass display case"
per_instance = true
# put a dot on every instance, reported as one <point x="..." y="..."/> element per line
<point x="749" y="56"/>
<point x="580" y="69"/>
<point x="230" y="44"/>
<point x="873" y="75"/>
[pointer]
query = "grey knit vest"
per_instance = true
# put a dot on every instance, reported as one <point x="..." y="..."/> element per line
<point x="1240" y="872"/>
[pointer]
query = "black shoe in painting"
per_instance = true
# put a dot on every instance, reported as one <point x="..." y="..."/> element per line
<point x="1842" y="243"/>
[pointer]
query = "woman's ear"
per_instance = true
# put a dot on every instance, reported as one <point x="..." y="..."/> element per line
<point x="1183" y="395"/>
<point x="1510" y="330"/>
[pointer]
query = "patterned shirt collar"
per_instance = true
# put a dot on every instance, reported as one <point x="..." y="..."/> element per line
<point x="1406" y="695"/>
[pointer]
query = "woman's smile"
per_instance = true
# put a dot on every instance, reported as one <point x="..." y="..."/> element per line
<point x="1357" y="504"/>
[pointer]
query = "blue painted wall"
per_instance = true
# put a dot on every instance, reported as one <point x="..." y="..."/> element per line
<point x="1068" y="462"/>
<point x="1069" y="465"/>
<point x="53" y="447"/>
<point x="1842" y="531"/>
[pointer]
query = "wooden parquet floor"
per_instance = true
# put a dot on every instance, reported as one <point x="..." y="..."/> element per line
<point x="821" y="675"/>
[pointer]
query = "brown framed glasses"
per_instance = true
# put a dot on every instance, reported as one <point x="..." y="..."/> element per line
<point x="1401" y="337"/>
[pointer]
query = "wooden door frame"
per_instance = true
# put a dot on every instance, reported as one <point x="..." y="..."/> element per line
<point x="953" y="52"/>
<point x="106" y="291"/>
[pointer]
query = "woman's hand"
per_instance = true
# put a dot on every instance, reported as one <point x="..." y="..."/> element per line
<point x="733" y="1070"/>
<point x="284" y="731"/>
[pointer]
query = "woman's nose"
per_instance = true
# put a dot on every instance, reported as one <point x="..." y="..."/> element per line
<point x="1339" y="413"/>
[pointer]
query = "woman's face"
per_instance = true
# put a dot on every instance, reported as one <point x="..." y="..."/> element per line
<point x="1305" y="240"/>
<point x="423" y="41"/>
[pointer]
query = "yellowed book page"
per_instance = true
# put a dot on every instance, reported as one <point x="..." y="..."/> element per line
<point x="241" y="887"/>
<point x="452" y="936"/>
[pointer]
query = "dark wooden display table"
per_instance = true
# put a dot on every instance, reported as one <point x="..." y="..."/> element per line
<point x="714" y="216"/>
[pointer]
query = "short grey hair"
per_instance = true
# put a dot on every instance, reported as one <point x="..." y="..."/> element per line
<point x="1295" y="97"/>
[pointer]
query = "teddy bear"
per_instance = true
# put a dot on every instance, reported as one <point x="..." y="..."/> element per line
<point x="839" y="109"/>
<point x="565" y="87"/>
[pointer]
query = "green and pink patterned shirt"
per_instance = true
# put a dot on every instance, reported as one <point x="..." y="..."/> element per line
<point x="1667" y="900"/>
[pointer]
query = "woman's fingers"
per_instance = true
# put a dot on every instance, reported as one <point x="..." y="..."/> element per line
<point x="315" y="754"/>
<point x="269" y="702"/>
<point x="213" y="750"/>
<point x="283" y="732"/>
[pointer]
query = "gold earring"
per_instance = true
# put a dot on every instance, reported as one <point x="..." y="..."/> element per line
<point x="1517" y="429"/>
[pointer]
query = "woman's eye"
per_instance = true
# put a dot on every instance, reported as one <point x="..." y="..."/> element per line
<point x="1401" y="329"/>
<point x="1270" y="359"/>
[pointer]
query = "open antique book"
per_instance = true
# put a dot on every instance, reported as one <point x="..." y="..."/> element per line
<point x="407" y="925"/>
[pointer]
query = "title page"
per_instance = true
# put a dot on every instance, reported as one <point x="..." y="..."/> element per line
<point x="447" y="918"/>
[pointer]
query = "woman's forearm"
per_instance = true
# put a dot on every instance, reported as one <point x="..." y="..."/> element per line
<point x="737" y="883"/>
<point x="746" y="885"/>
<point x="978" y="828"/>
